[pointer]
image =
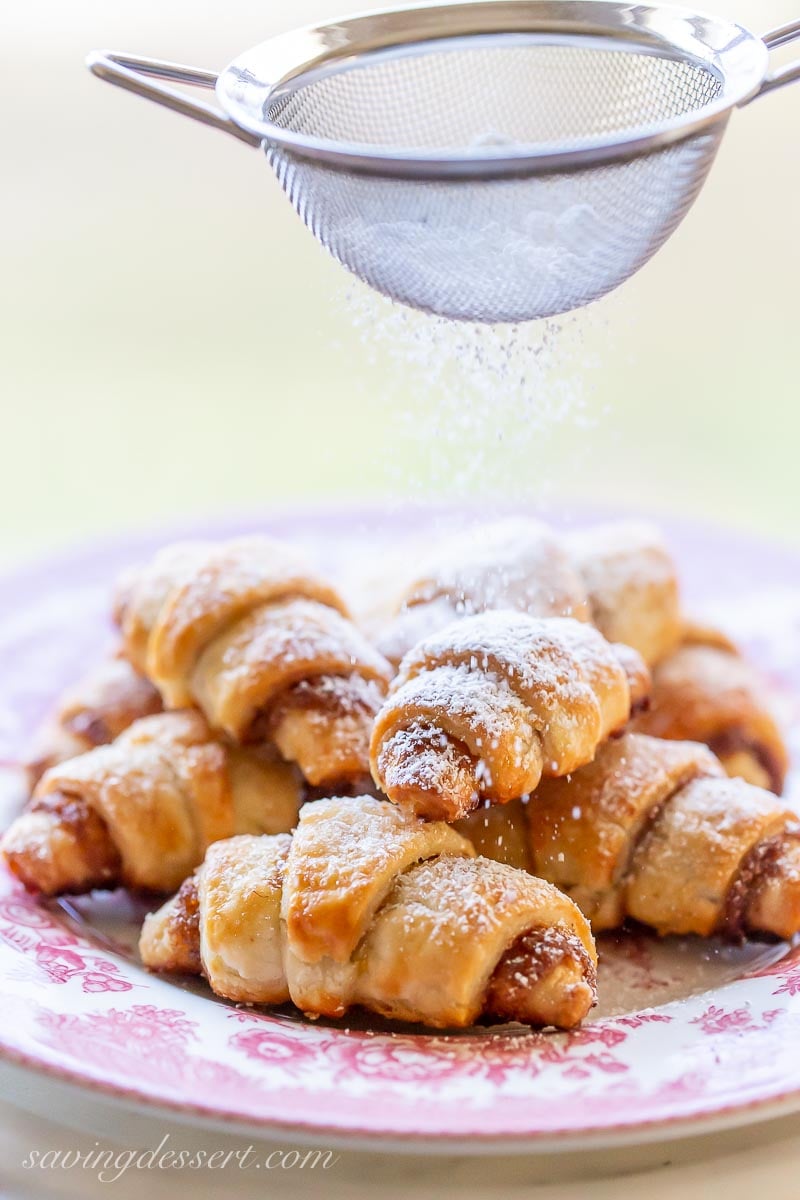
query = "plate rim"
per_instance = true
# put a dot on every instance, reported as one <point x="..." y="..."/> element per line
<point x="625" y="1133"/>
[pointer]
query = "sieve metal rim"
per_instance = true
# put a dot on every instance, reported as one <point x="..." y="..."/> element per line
<point x="266" y="72"/>
<point x="742" y="82"/>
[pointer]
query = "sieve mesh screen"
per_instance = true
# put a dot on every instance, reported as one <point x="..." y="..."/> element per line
<point x="451" y="94"/>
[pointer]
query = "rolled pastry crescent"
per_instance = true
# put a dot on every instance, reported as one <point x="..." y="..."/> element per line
<point x="248" y="633"/>
<point x="632" y="585"/>
<point x="142" y="810"/>
<point x="480" y="711"/>
<point x="92" y="713"/>
<point x="516" y="563"/>
<point x="707" y="692"/>
<point x="620" y="576"/>
<point x="367" y="905"/>
<point x="656" y="831"/>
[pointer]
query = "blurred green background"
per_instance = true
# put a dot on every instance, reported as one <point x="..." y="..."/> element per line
<point x="174" y="342"/>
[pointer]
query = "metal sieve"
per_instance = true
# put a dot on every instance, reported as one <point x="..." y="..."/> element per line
<point x="499" y="160"/>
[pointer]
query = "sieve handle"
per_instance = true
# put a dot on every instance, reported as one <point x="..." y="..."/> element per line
<point x="135" y="74"/>
<point x="789" y="73"/>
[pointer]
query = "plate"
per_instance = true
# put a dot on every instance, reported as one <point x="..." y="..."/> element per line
<point x="690" y="1035"/>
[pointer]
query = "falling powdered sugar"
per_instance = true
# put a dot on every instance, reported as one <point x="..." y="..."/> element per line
<point x="480" y="413"/>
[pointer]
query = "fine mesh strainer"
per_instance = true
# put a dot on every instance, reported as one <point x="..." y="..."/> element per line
<point x="499" y="160"/>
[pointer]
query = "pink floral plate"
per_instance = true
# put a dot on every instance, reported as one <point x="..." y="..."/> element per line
<point x="689" y="1035"/>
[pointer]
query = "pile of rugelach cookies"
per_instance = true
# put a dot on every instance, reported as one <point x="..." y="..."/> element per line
<point x="428" y="814"/>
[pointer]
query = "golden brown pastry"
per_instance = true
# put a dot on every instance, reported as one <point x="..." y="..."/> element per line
<point x="484" y="708"/>
<point x="632" y="585"/>
<point x="516" y="563"/>
<point x="500" y="832"/>
<point x="142" y="810"/>
<point x="619" y="576"/>
<point x="94" y="712"/>
<point x="245" y="631"/>
<point x="706" y="692"/>
<point x="654" y="830"/>
<point x="368" y="905"/>
<point x="700" y="633"/>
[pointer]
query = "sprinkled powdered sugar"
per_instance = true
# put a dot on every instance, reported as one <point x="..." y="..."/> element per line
<point x="424" y="757"/>
<point x="517" y="562"/>
<point x="528" y="654"/>
<point x="457" y="900"/>
<point x="364" y="846"/>
<point x="464" y="692"/>
<point x="342" y="860"/>
<point x="338" y="695"/>
<point x="508" y="690"/>
<point x="535" y="954"/>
